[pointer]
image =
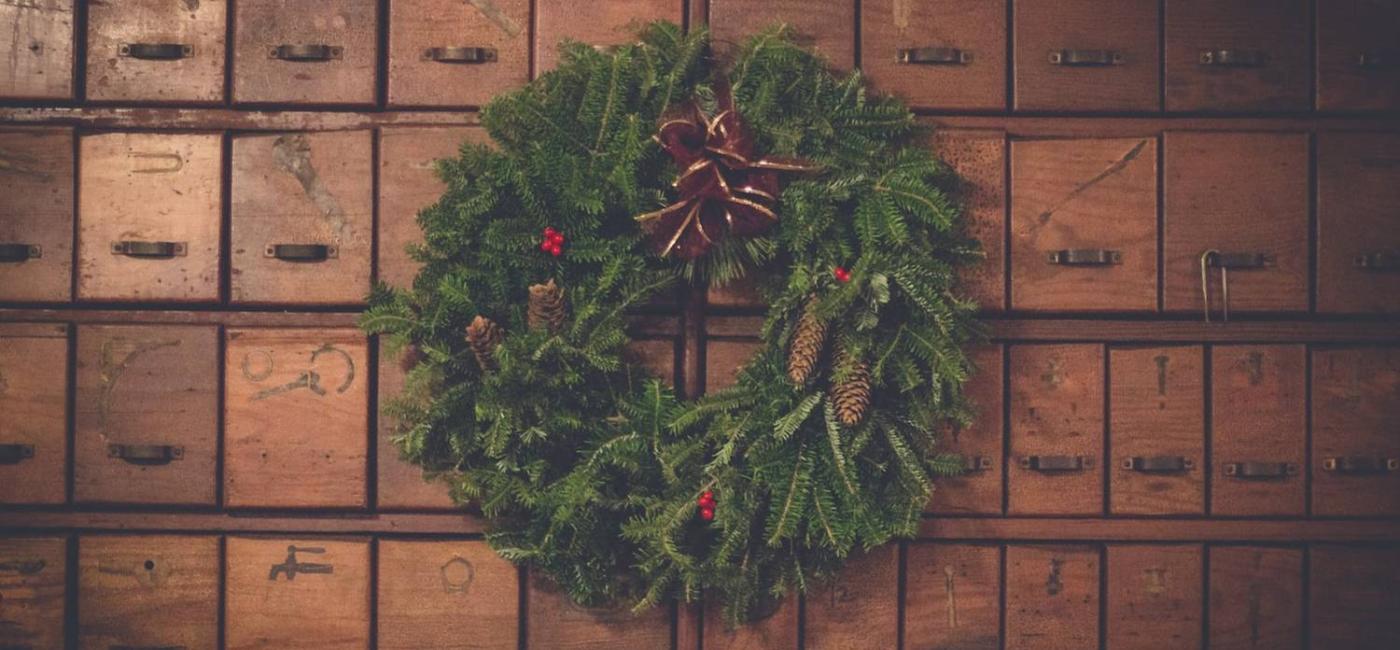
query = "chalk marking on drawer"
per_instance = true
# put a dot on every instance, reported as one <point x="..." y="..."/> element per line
<point x="949" y="588"/>
<point x="902" y="10"/>
<point x="1053" y="583"/>
<point x="1112" y="169"/>
<point x="19" y="164"/>
<point x="496" y="16"/>
<point x="156" y="163"/>
<point x="457" y="575"/>
<point x="292" y="154"/>
<point x="110" y="369"/>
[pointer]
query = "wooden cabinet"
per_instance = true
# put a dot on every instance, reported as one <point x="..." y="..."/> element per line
<point x="1052" y="597"/>
<point x="1256" y="598"/>
<point x="1356" y="50"/>
<point x="979" y="489"/>
<point x="947" y="54"/>
<point x="952" y="597"/>
<point x="156" y="50"/>
<point x="37" y="61"/>
<point x="1057" y="430"/>
<point x="408" y="183"/>
<point x="601" y="23"/>
<point x="297" y="52"/>
<point x="148" y="591"/>
<point x="310" y="594"/>
<point x="1154" y="596"/>
<point x="859" y="608"/>
<point x="1094" y="55"/>
<point x="978" y="157"/>
<point x="451" y="53"/>
<point x="1258" y="430"/>
<point x="1355" y="444"/>
<point x="1352" y="599"/>
<point x="1242" y="55"/>
<point x="1156" y="430"/>
<point x="775" y="626"/>
<point x="556" y="621"/>
<point x="33" y="413"/>
<point x="441" y="594"/>
<point x="1358" y="223"/>
<point x="33" y="584"/>
<point x="827" y="27"/>
<point x="36" y="213"/>
<point x="402" y="485"/>
<point x="723" y="361"/>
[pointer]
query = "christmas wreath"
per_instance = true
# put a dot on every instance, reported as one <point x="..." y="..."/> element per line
<point x="611" y="181"/>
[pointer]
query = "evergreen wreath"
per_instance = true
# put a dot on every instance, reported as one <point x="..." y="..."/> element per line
<point x="520" y="392"/>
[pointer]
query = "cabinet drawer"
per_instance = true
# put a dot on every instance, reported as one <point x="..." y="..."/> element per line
<point x="33" y="579"/>
<point x="978" y="490"/>
<point x="600" y="23"/>
<point x="979" y="160"/>
<point x="1087" y="55"/>
<point x="36" y="214"/>
<point x="1154" y="596"/>
<point x="408" y="183"/>
<point x="724" y="360"/>
<point x="1353" y="599"/>
<point x="859" y="608"/>
<point x="453" y="53"/>
<point x="952" y="597"/>
<point x="425" y="587"/>
<point x="156" y="50"/>
<point x="295" y="418"/>
<point x="148" y="216"/>
<point x="1356" y="445"/>
<point x="1052" y="596"/>
<point x="147" y="414"/>
<point x="1356" y="55"/>
<point x="1084" y="224"/>
<point x="296" y="52"/>
<point x="309" y="594"/>
<point x="1256" y="598"/>
<point x="1358" y="223"/>
<point x="302" y="217"/>
<point x="936" y="53"/>
<point x="828" y="27"/>
<point x="149" y="591"/>
<point x="33" y="413"/>
<point x="1057" y="429"/>
<point x="775" y="626"/>
<point x="1258" y="429"/>
<point x="37" y="63"/>
<point x="1156" y="429"/>
<point x="402" y="485"/>
<point x="1241" y="201"/>
<point x="556" y="621"/>
<point x="1237" y="56"/>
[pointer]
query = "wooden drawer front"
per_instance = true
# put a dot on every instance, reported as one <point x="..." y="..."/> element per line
<point x="1358" y="223"/>
<point x="1052" y="597"/>
<point x="1057" y="428"/>
<point x="1154" y="596"/>
<point x="302" y="217"/>
<point x="776" y="627"/>
<point x="1157" y="430"/>
<point x="147" y="414"/>
<point x="937" y="53"/>
<point x="309" y="594"/>
<point x="599" y="23"/>
<point x="1084" y="224"/>
<point x="402" y="485"/>
<point x="408" y="183"/>
<point x="724" y="360"/>
<point x="1258" y="429"/>
<point x="291" y="51"/>
<point x="1237" y="56"/>
<point x="1356" y="50"/>
<point x="1256" y="598"/>
<point x="952" y="597"/>
<point x="1243" y="195"/>
<point x="156" y="50"/>
<point x="1352" y="597"/>
<point x="556" y="621"/>
<point x="33" y="412"/>
<point x="38" y="62"/>
<point x="36" y="212"/>
<point x="859" y="608"/>
<point x="742" y="293"/>
<point x="978" y="490"/>
<point x="1356" y="445"/>
<point x="295" y="414"/>
<point x="148" y="592"/>
<point x="33" y="576"/>
<point x="452" y="53"/>
<point x="826" y="27"/>
<point x="149" y="209"/>
<point x="979" y="160"/>
<point x="1087" y="55"/>
<point x="426" y="587"/>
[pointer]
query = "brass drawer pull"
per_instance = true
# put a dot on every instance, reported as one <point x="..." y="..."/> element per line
<point x="1379" y="261"/>
<point x="155" y="51"/>
<point x="1235" y="58"/>
<point x="15" y="253"/>
<point x="306" y="52"/>
<point x="14" y="454"/>
<point x="146" y="454"/>
<point x="1085" y="257"/>
<point x="1361" y="465"/>
<point x="1375" y="59"/>
<point x="1258" y="469"/>
<point x="301" y="252"/>
<point x="1086" y="58"/>
<point x="1225" y="260"/>
<point x="934" y="56"/>
<point x="1052" y="464"/>
<point x="25" y="567"/>
<point x="1158" y="464"/>
<point x="977" y="464"/>
<point x="149" y="249"/>
<point x="460" y="54"/>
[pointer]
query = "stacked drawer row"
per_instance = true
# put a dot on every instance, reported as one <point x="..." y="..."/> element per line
<point x="1107" y="55"/>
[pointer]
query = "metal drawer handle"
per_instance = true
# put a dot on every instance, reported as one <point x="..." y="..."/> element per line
<point x="1361" y="465"/>
<point x="934" y="56"/>
<point x="24" y="567"/>
<point x="1379" y="261"/>
<point x="306" y="52"/>
<point x="1057" y="463"/>
<point x="149" y="249"/>
<point x="14" y="454"/>
<point x="460" y="54"/>
<point x="1258" y="469"/>
<point x="15" y="253"/>
<point x="1225" y="260"/>
<point x="155" y="51"/>
<point x="146" y="454"/>
<point x="1235" y="58"/>
<point x="1086" y="58"/>
<point x="1085" y="257"/>
<point x="301" y="252"/>
<point x="1158" y="464"/>
<point x="1376" y="59"/>
<point x="977" y="464"/>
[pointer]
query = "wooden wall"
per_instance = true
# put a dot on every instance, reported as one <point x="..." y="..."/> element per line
<point x="191" y="450"/>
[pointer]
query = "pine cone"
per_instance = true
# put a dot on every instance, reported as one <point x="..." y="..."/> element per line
<point x="546" y="311"/>
<point x="807" y="344"/>
<point x="850" y="395"/>
<point x="483" y="335"/>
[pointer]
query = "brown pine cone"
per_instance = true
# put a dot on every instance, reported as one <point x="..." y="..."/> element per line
<point x="483" y="335"/>
<point x="807" y="342"/>
<point x="850" y="395"/>
<point x="546" y="310"/>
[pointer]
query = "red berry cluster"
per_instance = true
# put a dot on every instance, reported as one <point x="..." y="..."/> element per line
<point x="707" y="505"/>
<point x="553" y="242"/>
<point x="842" y="275"/>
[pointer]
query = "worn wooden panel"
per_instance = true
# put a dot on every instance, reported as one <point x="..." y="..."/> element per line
<point x="302" y="189"/>
<point x="1052" y="597"/>
<point x="408" y="183"/>
<point x="1352" y="599"/>
<point x="304" y="593"/>
<point x="446" y="594"/>
<point x="38" y="56"/>
<point x="556" y="621"/>
<point x="148" y="591"/>
<point x="1355" y="443"/>
<point x="33" y="413"/>
<point x="118" y="71"/>
<point x="828" y="27"/>
<point x="1276" y="30"/>
<point x="742" y="293"/>
<point x="344" y="75"/>
<point x="1256" y="598"/>
<point x="1355" y="55"/>
<point x="1156" y="430"/>
<point x="1057" y="429"/>
<point x="858" y="608"/>
<point x="775" y="627"/>
<point x="1117" y="39"/>
<point x="149" y="188"/>
<point x="36" y="168"/>
<point x="1258" y="429"/>
<point x="1235" y="193"/>
<point x="1155" y="596"/>
<point x="33" y="578"/>
<point x="979" y="490"/>
<point x="402" y="485"/>
<point x="1098" y="196"/>
<point x="600" y="23"/>
<point x="416" y="27"/>
<point x="975" y="28"/>
<point x="295" y="418"/>
<point x="1358" y="222"/>
<point x="147" y="414"/>
<point x="724" y="360"/>
<point x="952" y="597"/>
<point x="979" y="160"/>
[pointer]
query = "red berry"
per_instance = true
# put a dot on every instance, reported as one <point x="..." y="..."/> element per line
<point x="708" y="514"/>
<point x="549" y="231"/>
<point x="556" y="250"/>
<point x="842" y="275"/>
<point x="544" y="246"/>
<point x="706" y="501"/>
<point x="557" y="238"/>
